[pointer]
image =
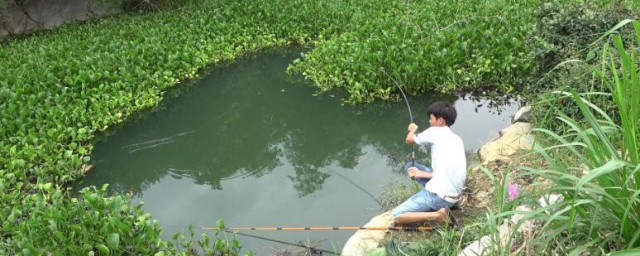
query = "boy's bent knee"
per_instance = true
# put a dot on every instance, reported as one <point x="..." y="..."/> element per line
<point x="396" y="212"/>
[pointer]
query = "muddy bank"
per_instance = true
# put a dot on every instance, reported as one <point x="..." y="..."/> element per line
<point x="22" y="17"/>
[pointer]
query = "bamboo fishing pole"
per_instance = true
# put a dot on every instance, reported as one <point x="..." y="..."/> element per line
<point x="405" y="228"/>
<point x="413" y="146"/>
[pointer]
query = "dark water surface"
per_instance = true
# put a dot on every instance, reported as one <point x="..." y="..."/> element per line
<point x="253" y="146"/>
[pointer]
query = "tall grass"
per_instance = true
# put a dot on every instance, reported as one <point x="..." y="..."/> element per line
<point x="593" y="164"/>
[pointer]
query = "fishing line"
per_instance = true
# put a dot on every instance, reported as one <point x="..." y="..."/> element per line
<point x="401" y="91"/>
<point x="358" y="186"/>
<point x="281" y="242"/>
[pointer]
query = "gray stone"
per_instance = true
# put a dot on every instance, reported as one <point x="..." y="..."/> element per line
<point x="523" y="115"/>
<point x="366" y="240"/>
<point x="512" y="139"/>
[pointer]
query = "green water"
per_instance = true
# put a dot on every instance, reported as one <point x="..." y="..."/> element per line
<point x="253" y="146"/>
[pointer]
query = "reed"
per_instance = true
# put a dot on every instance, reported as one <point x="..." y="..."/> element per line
<point x="593" y="164"/>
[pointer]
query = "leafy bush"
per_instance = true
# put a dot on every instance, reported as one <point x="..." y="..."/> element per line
<point x="595" y="164"/>
<point x="566" y="48"/>
<point x="567" y="30"/>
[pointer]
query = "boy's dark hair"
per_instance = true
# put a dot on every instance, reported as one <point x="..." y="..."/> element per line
<point x="444" y="110"/>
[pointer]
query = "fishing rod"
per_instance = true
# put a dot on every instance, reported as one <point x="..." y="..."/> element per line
<point x="324" y="228"/>
<point x="413" y="146"/>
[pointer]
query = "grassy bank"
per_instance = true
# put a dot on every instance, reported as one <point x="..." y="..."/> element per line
<point x="590" y="164"/>
<point x="593" y="164"/>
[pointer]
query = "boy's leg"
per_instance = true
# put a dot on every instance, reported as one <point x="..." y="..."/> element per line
<point x="422" y="206"/>
<point x="421" y="167"/>
<point x="414" y="217"/>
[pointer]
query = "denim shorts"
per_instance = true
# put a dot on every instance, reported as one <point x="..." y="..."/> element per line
<point x="423" y="201"/>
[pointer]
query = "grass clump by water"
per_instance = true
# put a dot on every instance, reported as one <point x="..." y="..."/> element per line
<point x="600" y="190"/>
<point x="592" y="166"/>
<point x="441" y="241"/>
<point x="565" y="46"/>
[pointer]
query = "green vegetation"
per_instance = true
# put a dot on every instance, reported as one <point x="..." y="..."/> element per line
<point x="116" y="227"/>
<point x="593" y="164"/>
<point x="59" y="88"/>
<point x="427" y="46"/>
<point x="590" y="160"/>
<point x="566" y="48"/>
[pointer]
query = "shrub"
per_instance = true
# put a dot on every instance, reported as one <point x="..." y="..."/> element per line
<point x="595" y="164"/>
<point x="567" y="30"/>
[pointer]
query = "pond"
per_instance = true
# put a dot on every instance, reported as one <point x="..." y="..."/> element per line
<point x="253" y="146"/>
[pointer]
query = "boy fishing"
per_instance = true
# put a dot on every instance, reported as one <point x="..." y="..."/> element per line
<point x="443" y="182"/>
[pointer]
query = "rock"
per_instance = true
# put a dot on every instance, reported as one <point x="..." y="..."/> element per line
<point x="366" y="240"/>
<point x="523" y="115"/>
<point x="549" y="199"/>
<point x="505" y="231"/>
<point x="512" y="139"/>
<point x="477" y="248"/>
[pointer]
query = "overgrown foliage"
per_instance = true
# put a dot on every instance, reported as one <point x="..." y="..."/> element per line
<point x="56" y="95"/>
<point x="567" y="29"/>
<point x="565" y="46"/>
<point x="59" y="88"/>
<point x="426" y="46"/>
<point x="594" y="166"/>
<point x="91" y="223"/>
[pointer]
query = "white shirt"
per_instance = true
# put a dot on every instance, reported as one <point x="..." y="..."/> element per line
<point x="448" y="160"/>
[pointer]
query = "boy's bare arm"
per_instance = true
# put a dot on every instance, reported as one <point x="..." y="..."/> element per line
<point x="414" y="173"/>
<point x="412" y="131"/>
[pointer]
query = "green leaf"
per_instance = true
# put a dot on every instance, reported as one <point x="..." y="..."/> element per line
<point x="590" y="55"/>
<point x="47" y="187"/>
<point x="630" y="252"/>
<point x="104" y="250"/>
<point x="113" y="241"/>
<point x="609" y="167"/>
<point x="220" y="224"/>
